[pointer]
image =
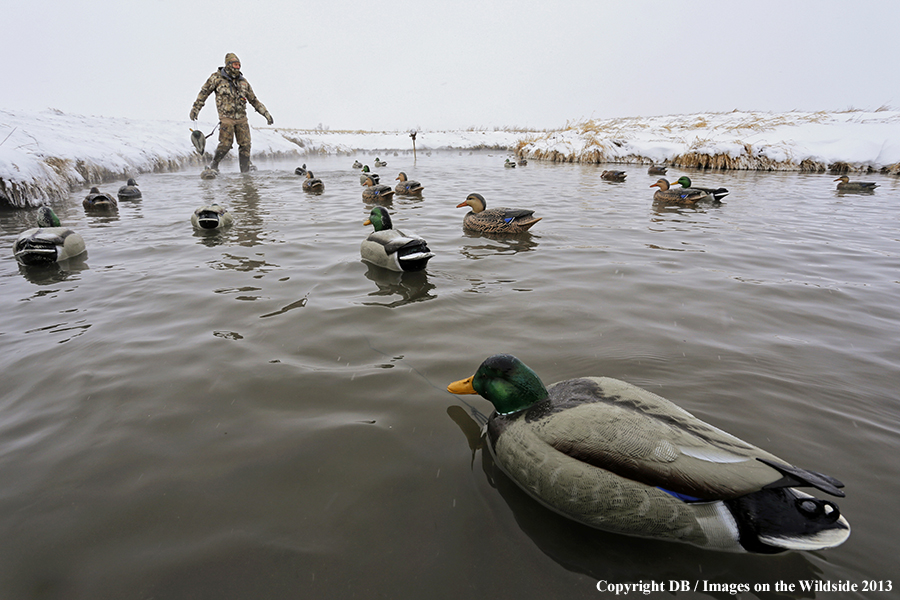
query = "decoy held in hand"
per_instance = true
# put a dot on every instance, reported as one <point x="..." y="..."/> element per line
<point x="613" y="175"/>
<point x="366" y="173"/>
<point x="681" y="196"/>
<point x="376" y="191"/>
<point x="716" y="193"/>
<point x="301" y="170"/>
<point x="392" y="249"/>
<point x="619" y="458"/>
<point x="313" y="184"/>
<point x="846" y="185"/>
<point x="49" y="242"/>
<point x="129" y="191"/>
<point x="407" y="187"/>
<point x="495" y="220"/>
<point x="97" y="200"/>
<point x="211" y="217"/>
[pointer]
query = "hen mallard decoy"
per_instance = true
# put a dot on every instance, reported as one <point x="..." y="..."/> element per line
<point x="496" y="220"/>
<point x="211" y="217"/>
<point x="657" y="170"/>
<point x="376" y="191"/>
<point x="392" y="249"/>
<point x="613" y="175"/>
<point x="407" y="187"/>
<point x="97" y="200"/>
<point x="509" y="164"/>
<point x="616" y="457"/>
<point x="49" y="242"/>
<point x="716" y="193"/>
<point x="357" y="164"/>
<point x="685" y="197"/>
<point x="521" y="161"/>
<point x="301" y="170"/>
<point x="379" y="162"/>
<point x="129" y="191"/>
<point x="366" y="173"/>
<point x="313" y="184"/>
<point x="846" y="185"/>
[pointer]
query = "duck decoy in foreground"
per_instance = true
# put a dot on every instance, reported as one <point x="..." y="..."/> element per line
<point x="49" y="242"/>
<point x="374" y="191"/>
<point x="301" y="170"/>
<point x="211" y="217"/>
<point x="657" y="170"/>
<point x="129" y="191"/>
<point x="846" y="185"/>
<point x="716" y="193"/>
<point x="613" y="175"/>
<point x="97" y="200"/>
<point x="495" y="220"/>
<point x="365" y="174"/>
<point x="313" y="184"/>
<point x="681" y="196"/>
<point x="509" y="164"/>
<point x="619" y="458"/>
<point x="407" y="187"/>
<point x="392" y="249"/>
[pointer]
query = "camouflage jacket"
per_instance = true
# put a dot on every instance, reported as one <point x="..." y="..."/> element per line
<point x="232" y="95"/>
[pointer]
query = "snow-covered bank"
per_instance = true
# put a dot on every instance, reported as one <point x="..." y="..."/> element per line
<point x="795" y="141"/>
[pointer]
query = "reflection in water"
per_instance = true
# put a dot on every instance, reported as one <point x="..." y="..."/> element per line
<point x="55" y="272"/>
<point x="622" y="559"/>
<point x="410" y="286"/>
<point x="243" y="196"/>
<point x="497" y="243"/>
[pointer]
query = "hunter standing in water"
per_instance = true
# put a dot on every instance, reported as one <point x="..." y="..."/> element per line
<point x="233" y="92"/>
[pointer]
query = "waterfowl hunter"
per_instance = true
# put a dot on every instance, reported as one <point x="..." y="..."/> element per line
<point x="407" y="187"/>
<point x="496" y="220"/>
<point x="392" y="249"/>
<point x="619" y="458"/>
<point x="49" y="242"/>
<point x="846" y="185"/>
<point x="313" y="184"/>
<point x="681" y="196"/>
<point x="716" y="193"/>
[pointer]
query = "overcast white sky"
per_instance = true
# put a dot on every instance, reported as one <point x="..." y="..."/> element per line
<point x="434" y="64"/>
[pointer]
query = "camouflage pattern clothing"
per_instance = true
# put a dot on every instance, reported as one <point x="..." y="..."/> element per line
<point x="232" y="91"/>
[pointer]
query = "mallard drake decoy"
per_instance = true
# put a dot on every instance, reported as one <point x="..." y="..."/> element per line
<point x="616" y="457"/>
<point x="392" y="249"/>
<point x="211" y="217"/>
<point x="509" y="164"/>
<point x="97" y="200"/>
<point x="49" y="242"/>
<point x="495" y="220"/>
<point x="209" y="173"/>
<point x="613" y="175"/>
<point x="129" y="191"/>
<point x="685" y="197"/>
<point x="407" y="187"/>
<point x="379" y="162"/>
<point x="846" y="185"/>
<point x="357" y="164"/>
<point x="301" y="170"/>
<point x="657" y="170"/>
<point x="716" y="193"/>
<point x="313" y="183"/>
<point x="376" y="191"/>
<point x="366" y="173"/>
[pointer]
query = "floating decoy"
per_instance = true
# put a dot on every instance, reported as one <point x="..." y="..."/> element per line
<point x="716" y="193"/>
<point x="211" y="217"/>
<point x="209" y="173"/>
<point x="846" y="185"/>
<point x="49" y="242"/>
<point x="97" y="200"/>
<point x="408" y="187"/>
<point x="357" y="164"/>
<point x="657" y="170"/>
<point x="129" y="191"/>
<point x="495" y="220"/>
<point x="374" y="191"/>
<point x="313" y="184"/>
<point x="617" y="457"/>
<point x="509" y="164"/>
<point x="392" y="249"/>
<point x="613" y="175"/>
<point x="521" y="161"/>
<point x="682" y="196"/>
<point x="366" y="173"/>
<point x="301" y="170"/>
<point x="379" y="162"/>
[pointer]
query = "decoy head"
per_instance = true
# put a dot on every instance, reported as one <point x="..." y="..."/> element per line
<point x="370" y="181"/>
<point x="662" y="184"/>
<point x="684" y="181"/>
<point x="131" y="182"/>
<point x="506" y="382"/>
<point x="380" y="219"/>
<point x="46" y="217"/>
<point x="94" y="190"/>
<point x="476" y="201"/>
<point x="309" y="174"/>
<point x="843" y="179"/>
<point x="365" y="169"/>
<point x="402" y="176"/>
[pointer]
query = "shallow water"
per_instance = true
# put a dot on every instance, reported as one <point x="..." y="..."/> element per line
<point x="258" y="414"/>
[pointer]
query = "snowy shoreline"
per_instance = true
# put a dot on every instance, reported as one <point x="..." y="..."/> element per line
<point x="44" y="155"/>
